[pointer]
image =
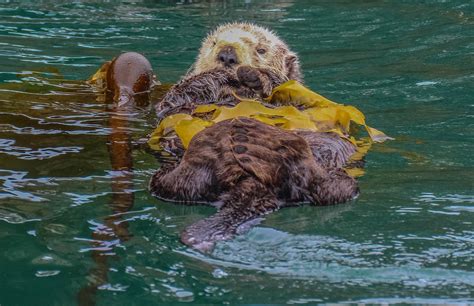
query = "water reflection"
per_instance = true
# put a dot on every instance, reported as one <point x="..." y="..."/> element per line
<point x="114" y="229"/>
<point x="406" y="65"/>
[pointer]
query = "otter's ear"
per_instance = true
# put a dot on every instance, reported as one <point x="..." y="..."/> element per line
<point x="293" y="67"/>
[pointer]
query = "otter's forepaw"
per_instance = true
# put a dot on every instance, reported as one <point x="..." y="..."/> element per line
<point x="250" y="77"/>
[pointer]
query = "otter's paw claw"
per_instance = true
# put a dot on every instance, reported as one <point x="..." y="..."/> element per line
<point x="249" y="77"/>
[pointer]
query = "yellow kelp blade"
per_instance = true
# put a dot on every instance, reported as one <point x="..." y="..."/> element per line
<point x="356" y="115"/>
<point x="332" y="117"/>
<point x="271" y="120"/>
<point x="300" y="122"/>
<point x="243" y="109"/>
<point x="99" y="78"/>
<point x="363" y="147"/>
<point x="295" y="93"/>
<point x="287" y="117"/>
<point x="166" y="125"/>
<point x="376" y="135"/>
<point x="187" y="128"/>
<point x="323" y="111"/>
<point x="355" y="172"/>
<point x="205" y="108"/>
<point x="319" y="114"/>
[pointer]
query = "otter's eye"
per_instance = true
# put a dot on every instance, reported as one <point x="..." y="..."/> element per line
<point x="261" y="51"/>
<point x="214" y="43"/>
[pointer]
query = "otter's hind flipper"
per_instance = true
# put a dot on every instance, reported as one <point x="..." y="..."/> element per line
<point x="194" y="178"/>
<point x="329" y="149"/>
<point x="242" y="208"/>
<point x="331" y="152"/>
<point x="266" y="152"/>
<point x="184" y="184"/>
<point x="336" y="186"/>
<point x="223" y="225"/>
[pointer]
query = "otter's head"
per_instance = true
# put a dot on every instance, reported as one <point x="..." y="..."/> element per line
<point x="243" y="44"/>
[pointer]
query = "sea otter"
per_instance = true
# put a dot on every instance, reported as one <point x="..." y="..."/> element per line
<point x="235" y="59"/>
<point x="244" y="167"/>
<point x="249" y="169"/>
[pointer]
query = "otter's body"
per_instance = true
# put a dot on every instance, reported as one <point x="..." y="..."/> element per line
<point x="244" y="167"/>
<point x="250" y="169"/>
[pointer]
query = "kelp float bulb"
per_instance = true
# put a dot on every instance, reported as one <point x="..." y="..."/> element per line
<point x="130" y="78"/>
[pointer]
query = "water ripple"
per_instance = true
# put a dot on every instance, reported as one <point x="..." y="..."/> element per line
<point x="409" y="237"/>
<point x="337" y="260"/>
<point x="12" y="181"/>
<point x="38" y="154"/>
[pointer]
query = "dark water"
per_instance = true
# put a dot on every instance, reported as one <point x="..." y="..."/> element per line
<point x="75" y="227"/>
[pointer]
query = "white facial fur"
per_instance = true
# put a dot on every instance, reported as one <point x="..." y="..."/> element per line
<point x="255" y="46"/>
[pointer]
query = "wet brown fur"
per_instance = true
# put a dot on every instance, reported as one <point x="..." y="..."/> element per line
<point x="244" y="167"/>
<point x="254" y="76"/>
<point x="251" y="169"/>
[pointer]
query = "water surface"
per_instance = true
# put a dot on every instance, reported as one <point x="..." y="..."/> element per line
<point x="78" y="226"/>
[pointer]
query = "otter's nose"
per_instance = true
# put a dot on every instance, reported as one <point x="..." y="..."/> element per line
<point x="228" y="56"/>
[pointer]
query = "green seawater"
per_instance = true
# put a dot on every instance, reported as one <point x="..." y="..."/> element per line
<point x="76" y="230"/>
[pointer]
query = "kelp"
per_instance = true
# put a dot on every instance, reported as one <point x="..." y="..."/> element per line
<point x="99" y="78"/>
<point x="184" y="125"/>
<point x="291" y="106"/>
<point x="98" y="81"/>
<point x="322" y="109"/>
<point x="300" y="109"/>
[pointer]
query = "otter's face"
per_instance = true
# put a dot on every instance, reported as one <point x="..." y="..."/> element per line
<point x="233" y="45"/>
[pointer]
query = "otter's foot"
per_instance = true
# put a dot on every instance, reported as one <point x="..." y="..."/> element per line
<point x="204" y="234"/>
<point x="260" y="81"/>
<point x="242" y="209"/>
<point x="255" y="80"/>
<point x="224" y="225"/>
<point x="250" y="77"/>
